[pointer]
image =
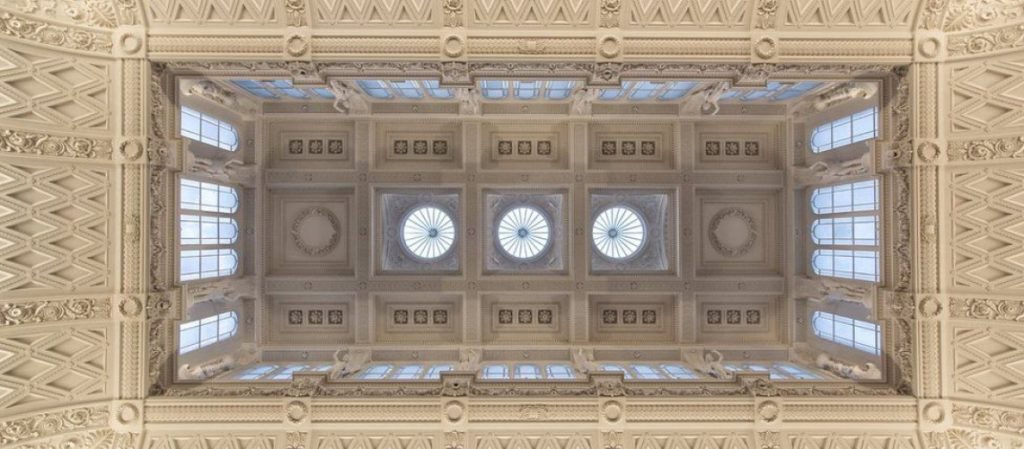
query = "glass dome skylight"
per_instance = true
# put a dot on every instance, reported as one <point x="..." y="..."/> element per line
<point x="619" y="232"/>
<point x="523" y="232"/>
<point x="428" y="232"/>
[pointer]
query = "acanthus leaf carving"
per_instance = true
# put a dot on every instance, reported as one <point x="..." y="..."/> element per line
<point x="22" y="142"/>
<point x="13" y="313"/>
<point x="987" y="309"/>
<point x="43" y="425"/>
<point x="987" y="149"/>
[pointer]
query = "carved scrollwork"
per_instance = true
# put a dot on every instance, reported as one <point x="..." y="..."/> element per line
<point x="987" y="149"/>
<point x="20" y="142"/>
<point x="47" y="424"/>
<point x="12" y="313"/>
<point x="50" y="34"/>
<point x="311" y="249"/>
<point x="610" y="13"/>
<point x="716" y="223"/>
<point x="987" y="309"/>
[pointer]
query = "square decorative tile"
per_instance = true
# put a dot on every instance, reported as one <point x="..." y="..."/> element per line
<point x="647" y="148"/>
<point x="714" y="317"/>
<point x="316" y="147"/>
<point x="419" y="147"/>
<point x="419" y="316"/>
<point x="505" y="147"/>
<point x="524" y="147"/>
<point x="440" y="316"/>
<point x="525" y="316"/>
<point x="335" y="146"/>
<point x="732" y="148"/>
<point x="401" y="147"/>
<point x="650" y="316"/>
<point x="401" y="316"/>
<point x="505" y="316"/>
<point x="316" y="317"/>
<point x="440" y="147"/>
<point x="294" y="147"/>
<point x="629" y="148"/>
<point x="545" y="316"/>
<point x="544" y="148"/>
<point x="335" y="317"/>
<point x="712" y="148"/>
<point x="751" y="148"/>
<point x="610" y="316"/>
<point x="629" y="316"/>
<point x="753" y="317"/>
<point x="732" y="317"/>
<point x="295" y="317"/>
<point x="608" y="148"/>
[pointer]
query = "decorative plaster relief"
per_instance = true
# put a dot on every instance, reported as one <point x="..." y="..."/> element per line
<point x="14" y="313"/>
<point x="311" y="232"/>
<point x="546" y="13"/>
<point x="987" y="149"/>
<point x="891" y="14"/>
<point x="50" y="366"/>
<point x="646" y="318"/>
<point x="66" y="92"/>
<point x="56" y="226"/>
<point x="419" y="318"/>
<point x="987" y="309"/>
<point x="709" y="14"/>
<point x="732" y="232"/>
<point x="986" y="363"/>
<point x="984" y="96"/>
<point x="987" y="223"/>
<point x="29" y="143"/>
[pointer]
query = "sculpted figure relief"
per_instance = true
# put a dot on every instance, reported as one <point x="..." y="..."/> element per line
<point x="347" y="99"/>
<point x="850" y="371"/>
<point x="583" y="101"/>
<point x="583" y="360"/>
<point x="211" y="91"/>
<point x="830" y="290"/>
<point x="245" y="355"/>
<point x="224" y="170"/>
<point x="708" y="362"/>
<point x="824" y="173"/>
<point x="353" y="361"/>
<point x="469" y="359"/>
<point x="843" y="93"/>
<point x="469" y="100"/>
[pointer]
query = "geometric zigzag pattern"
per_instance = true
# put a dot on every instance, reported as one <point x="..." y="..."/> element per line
<point x="61" y="365"/>
<point x="858" y="13"/>
<point x="988" y="363"/>
<point x="217" y="441"/>
<point x="833" y="441"/>
<point x="53" y="227"/>
<point x="689" y="12"/>
<point x="254" y="12"/>
<point x="707" y="441"/>
<point x="988" y="229"/>
<point x="62" y="92"/>
<point x="532" y="12"/>
<point x="366" y="12"/>
<point x="988" y="96"/>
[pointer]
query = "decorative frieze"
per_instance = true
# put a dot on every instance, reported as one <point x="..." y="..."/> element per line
<point x="987" y="309"/>
<point x="30" y="143"/>
<point x="989" y="418"/>
<point x="44" y="425"/>
<point x="69" y="37"/>
<point x="987" y="149"/>
<point x="13" y="313"/>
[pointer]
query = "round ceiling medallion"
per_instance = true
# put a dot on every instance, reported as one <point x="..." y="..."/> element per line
<point x="619" y="232"/>
<point x="732" y="232"/>
<point x="523" y="233"/>
<point x="316" y="231"/>
<point x="428" y="232"/>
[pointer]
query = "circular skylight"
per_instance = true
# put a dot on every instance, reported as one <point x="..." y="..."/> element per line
<point x="619" y="232"/>
<point x="428" y="232"/>
<point x="523" y="232"/>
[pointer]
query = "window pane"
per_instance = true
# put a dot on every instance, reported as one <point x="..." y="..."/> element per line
<point x="645" y="372"/>
<point x="847" y="264"/>
<point x="560" y="372"/>
<point x="375" y="372"/>
<point x="408" y="372"/>
<point x="208" y="197"/>
<point x="206" y="331"/>
<point x="844" y="131"/>
<point x="678" y="372"/>
<point x="208" y="263"/>
<point x="436" y="370"/>
<point x="495" y="372"/>
<point x="858" y="231"/>
<point x="862" y="335"/>
<point x="208" y="129"/>
<point x="527" y="372"/>
<point x="850" y="197"/>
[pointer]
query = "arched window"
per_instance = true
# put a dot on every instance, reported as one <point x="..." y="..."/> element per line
<point x="853" y="128"/>
<point x="208" y="129"/>
<point x="208" y="230"/>
<point x="845" y="231"/>
<point x="204" y="332"/>
<point x="862" y="335"/>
